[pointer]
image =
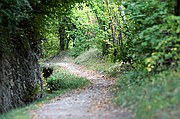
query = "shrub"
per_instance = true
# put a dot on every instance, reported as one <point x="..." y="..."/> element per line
<point x="63" y="80"/>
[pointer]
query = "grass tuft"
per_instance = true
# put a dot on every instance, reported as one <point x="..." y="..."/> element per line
<point x="90" y="56"/>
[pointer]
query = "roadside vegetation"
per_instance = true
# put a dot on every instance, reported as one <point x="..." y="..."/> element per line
<point x="149" y="95"/>
<point x="61" y="80"/>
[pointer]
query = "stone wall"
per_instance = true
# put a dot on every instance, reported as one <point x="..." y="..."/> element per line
<point x="20" y="80"/>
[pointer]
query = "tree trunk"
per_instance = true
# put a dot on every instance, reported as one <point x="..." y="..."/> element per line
<point x="177" y="8"/>
<point x="62" y="38"/>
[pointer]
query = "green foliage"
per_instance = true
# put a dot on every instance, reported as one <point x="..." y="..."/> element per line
<point x="150" y="96"/>
<point x="10" y="16"/>
<point x="125" y="31"/>
<point x="129" y="31"/>
<point x="82" y="32"/>
<point x="32" y="93"/>
<point x="153" y="36"/>
<point x="87" y="25"/>
<point x="63" y="80"/>
<point x="13" y="13"/>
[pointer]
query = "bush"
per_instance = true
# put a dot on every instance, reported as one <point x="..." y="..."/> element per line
<point x="63" y="80"/>
<point x="154" y="38"/>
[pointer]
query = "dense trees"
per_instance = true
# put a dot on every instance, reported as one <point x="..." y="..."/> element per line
<point x="125" y="30"/>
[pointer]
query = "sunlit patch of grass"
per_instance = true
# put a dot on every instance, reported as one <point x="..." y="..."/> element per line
<point x="89" y="56"/>
<point x="93" y="60"/>
<point x="64" y="80"/>
<point x="16" y="114"/>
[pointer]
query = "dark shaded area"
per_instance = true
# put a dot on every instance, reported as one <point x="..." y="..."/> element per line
<point x="20" y="81"/>
<point x="177" y="8"/>
<point x="47" y="71"/>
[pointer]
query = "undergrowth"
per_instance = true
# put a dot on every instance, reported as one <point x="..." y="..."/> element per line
<point x="64" y="80"/>
<point x="150" y="96"/>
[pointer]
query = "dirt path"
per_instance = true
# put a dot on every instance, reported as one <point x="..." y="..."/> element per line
<point x="93" y="102"/>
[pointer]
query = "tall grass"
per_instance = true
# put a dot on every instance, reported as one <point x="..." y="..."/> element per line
<point x="156" y="96"/>
<point x="94" y="60"/>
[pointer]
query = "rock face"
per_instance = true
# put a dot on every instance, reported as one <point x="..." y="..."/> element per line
<point x="20" y="80"/>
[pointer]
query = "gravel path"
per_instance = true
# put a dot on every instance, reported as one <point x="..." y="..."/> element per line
<point x="92" y="102"/>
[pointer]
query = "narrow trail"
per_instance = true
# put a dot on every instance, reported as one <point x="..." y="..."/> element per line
<point x="92" y="102"/>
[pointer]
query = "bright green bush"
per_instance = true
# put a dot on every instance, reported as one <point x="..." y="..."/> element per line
<point x="63" y="80"/>
<point x="154" y="37"/>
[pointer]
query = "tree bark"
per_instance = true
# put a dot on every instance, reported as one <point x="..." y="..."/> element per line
<point x="62" y="38"/>
<point x="177" y="8"/>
